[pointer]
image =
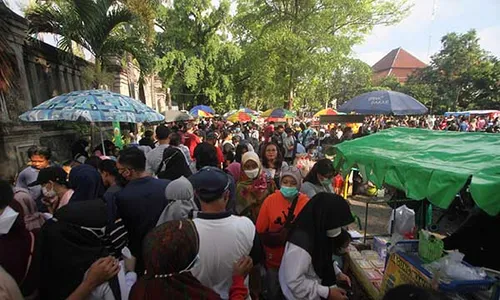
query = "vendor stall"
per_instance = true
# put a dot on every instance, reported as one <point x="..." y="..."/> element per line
<point x="428" y="165"/>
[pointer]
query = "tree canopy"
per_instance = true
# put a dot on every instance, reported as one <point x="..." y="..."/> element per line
<point x="461" y="76"/>
<point x="195" y="57"/>
<point x="266" y="53"/>
<point x="104" y="27"/>
<point x="289" y="44"/>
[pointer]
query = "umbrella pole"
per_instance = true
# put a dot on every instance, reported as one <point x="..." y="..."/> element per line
<point x="102" y="142"/>
<point x="92" y="136"/>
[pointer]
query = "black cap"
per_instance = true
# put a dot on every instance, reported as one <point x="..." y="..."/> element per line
<point x="210" y="183"/>
<point x="211" y="136"/>
<point x="56" y="174"/>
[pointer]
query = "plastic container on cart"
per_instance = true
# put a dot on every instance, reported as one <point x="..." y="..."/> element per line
<point x="460" y="286"/>
<point x="430" y="248"/>
<point x="406" y="246"/>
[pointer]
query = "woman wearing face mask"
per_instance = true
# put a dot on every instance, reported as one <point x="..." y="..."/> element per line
<point x="253" y="186"/>
<point x="307" y="270"/>
<point x="319" y="179"/>
<point x="273" y="225"/>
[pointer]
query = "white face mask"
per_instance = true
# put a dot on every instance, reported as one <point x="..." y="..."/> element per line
<point x="252" y="174"/>
<point x="47" y="193"/>
<point x="7" y="218"/>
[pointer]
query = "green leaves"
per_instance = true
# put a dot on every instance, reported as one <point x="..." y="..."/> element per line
<point x="460" y="76"/>
<point x="289" y="45"/>
<point x="104" y="27"/>
<point x="195" y="58"/>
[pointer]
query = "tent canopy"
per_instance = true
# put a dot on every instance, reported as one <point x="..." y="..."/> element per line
<point x="383" y="103"/>
<point x="429" y="164"/>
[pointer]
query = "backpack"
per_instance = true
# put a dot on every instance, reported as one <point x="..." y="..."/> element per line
<point x="174" y="164"/>
<point x="167" y="157"/>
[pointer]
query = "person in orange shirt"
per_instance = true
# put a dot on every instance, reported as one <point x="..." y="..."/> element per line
<point x="274" y="220"/>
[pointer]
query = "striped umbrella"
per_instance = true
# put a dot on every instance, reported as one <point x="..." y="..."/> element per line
<point x="194" y="111"/>
<point x="327" y="112"/>
<point x="278" y="113"/>
<point x="239" y="117"/>
<point x="201" y="114"/>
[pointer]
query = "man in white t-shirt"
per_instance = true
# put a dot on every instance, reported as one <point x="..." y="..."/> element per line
<point x="224" y="238"/>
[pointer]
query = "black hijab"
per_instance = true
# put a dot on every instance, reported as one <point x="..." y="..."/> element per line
<point x="174" y="165"/>
<point x="87" y="183"/>
<point x="323" y="212"/>
<point x="68" y="249"/>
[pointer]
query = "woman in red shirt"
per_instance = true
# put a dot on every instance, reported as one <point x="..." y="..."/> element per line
<point x="273" y="221"/>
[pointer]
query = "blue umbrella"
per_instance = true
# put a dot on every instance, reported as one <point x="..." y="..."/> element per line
<point x="383" y="103"/>
<point x="92" y="106"/>
<point x="208" y="109"/>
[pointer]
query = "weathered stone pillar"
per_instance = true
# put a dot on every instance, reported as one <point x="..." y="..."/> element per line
<point x="76" y="80"/>
<point x="52" y="82"/>
<point x="62" y="80"/>
<point x="21" y="68"/>
<point x="69" y="79"/>
<point x="35" y="85"/>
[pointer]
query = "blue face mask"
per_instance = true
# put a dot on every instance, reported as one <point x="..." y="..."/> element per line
<point x="289" y="192"/>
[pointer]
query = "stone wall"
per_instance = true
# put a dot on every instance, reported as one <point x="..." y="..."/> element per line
<point x="43" y="72"/>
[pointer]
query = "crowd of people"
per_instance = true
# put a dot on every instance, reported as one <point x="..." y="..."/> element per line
<point x="206" y="211"/>
<point x="480" y="123"/>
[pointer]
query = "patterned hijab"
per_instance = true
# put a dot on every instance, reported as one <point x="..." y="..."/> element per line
<point x="251" y="193"/>
<point x="169" y="252"/>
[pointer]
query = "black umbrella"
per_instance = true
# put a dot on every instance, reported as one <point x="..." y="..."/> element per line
<point x="384" y="103"/>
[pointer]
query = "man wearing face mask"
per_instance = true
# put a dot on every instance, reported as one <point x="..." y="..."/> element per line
<point x="16" y="243"/>
<point x="224" y="238"/>
<point x="55" y="190"/>
<point x="253" y="186"/>
<point x="141" y="202"/>
<point x="275" y="218"/>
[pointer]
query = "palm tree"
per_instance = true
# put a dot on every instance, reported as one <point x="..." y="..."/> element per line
<point x="7" y="61"/>
<point x="97" y="25"/>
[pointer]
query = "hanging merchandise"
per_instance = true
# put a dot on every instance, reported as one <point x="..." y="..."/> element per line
<point x="117" y="135"/>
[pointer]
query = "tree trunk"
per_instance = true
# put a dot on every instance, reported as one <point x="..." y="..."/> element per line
<point x="98" y="69"/>
<point x="289" y="97"/>
<point x="169" y="98"/>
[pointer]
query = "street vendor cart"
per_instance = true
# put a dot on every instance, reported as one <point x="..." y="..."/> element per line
<point x="425" y="165"/>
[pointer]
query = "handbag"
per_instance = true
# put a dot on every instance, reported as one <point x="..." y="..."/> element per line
<point x="276" y="239"/>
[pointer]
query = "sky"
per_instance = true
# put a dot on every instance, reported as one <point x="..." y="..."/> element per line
<point x="419" y="33"/>
<point x="412" y="34"/>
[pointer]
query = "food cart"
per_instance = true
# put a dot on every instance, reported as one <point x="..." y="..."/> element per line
<point x="425" y="164"/>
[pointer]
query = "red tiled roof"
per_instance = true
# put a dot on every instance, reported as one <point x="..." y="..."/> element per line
<point x="398" y="58"/>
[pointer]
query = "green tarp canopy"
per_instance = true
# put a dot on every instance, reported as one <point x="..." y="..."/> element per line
<point x="429" y="164"/>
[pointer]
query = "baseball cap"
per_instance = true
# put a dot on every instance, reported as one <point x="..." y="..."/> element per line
<point x="210" y="183"/>
<point x="56" y="174"/>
